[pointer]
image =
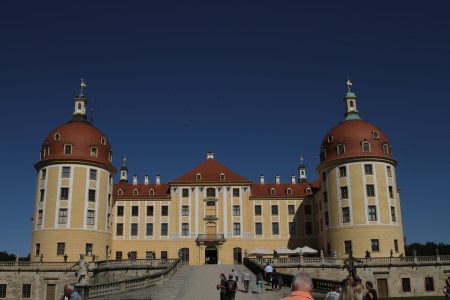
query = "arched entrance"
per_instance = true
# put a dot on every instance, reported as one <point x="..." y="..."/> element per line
<point x="237" y="255"/>
<point x="211" y="255"/>
<point x="184" y="255"/>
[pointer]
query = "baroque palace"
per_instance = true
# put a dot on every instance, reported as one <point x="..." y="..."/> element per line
<point x="210" y="213"/>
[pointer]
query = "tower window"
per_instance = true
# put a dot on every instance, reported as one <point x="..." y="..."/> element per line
<point x="351" y="103"/>
<point x="365" y="146"/>
<point x="94" y="151"/>
<point x="391" y="192"/>
<point x="93" y="174"/>
<point x="91" y="196"/>
<point x="340" y="148"/>
<point x="65" y="172"/>
<point x="348" y="246"/>
<point x="62" y="216"/>
<point x="386" y="148"/>
<point x="330" y="139"/>
<point x="345" y="215"/>
<point x="60" y="248"/>
<point x="64" y="193"/>
<point x="323" y="154"/>
<point x="368" y="170"/>
<point x="43" y="174"/>
<point x="344" y="192"/>
<point x="370" y="190"/>
<point x="389" y="171"/>
<point x="342" y="172"/>
<point x="211" y="192"/>
<point x="393" y="216"/>
<point x="90" y="217"/>
<point x="46" y="151"/>
<point x="67" y="149"/>
<point x="103" y="141"/>
<point x="372" y="212"/>
<point x="57" y="137"/>
<point x="375" y="135"/>
<point x="39" y="220"/>
<point x="375" y="245"/>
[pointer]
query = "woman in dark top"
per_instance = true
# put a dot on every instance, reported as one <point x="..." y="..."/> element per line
<point x="221" y="286"/>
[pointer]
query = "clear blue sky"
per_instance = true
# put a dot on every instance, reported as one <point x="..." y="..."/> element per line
<point x="258" y="82"/>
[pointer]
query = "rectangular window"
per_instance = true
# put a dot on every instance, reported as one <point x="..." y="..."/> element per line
<point x="164" y="210"/>
<point x="163" y="254"/>
<point x="348" y="246"/>
<point x="308" y="210"/>
<point x="406" y="285"/>
<point x="133" y="254"/>
<point x="344" y="192"/>
<point x="324" y="176"/>
<point x="64" y="193"/>
<point x="236" y="192"/>
<point x="258" y="228"/>
<point x="345" y="215"/>
<point x="62" y="216"/>
<point x="393" y="216"/>
<point x="327" y="219"/>
<point x="135" y="211"/>
<point x="39" y="220"/>
<point x="90" y="217"/>
<point x="342" y="171"/>
<point x="2" y="290"/>
<point x="185" y="193"/>
<point x="120" y="211"/>
<point x="396" y="246"/>
<point x="89" y="249"/>
<point x="26" y="290"/>
<point x="308" y="228"/>
<point x="150" y="211"/>
<point x="185" y="229"/>
<point x="429" y="284"/>
<point x="134" y="229"/>
<point x="236" y="228"/>
<point x="65" y="172"/>
<point x="375" y="243"/>
<point x="42" y="195"/>
<point x="118" y="255"/>
<point x="236" y="210"/>
<point x="91" y="195"/>
<point x="164" y="229"/>
<point x="275" y="228"/>
<point x="38" y="249"/>
<point x="389" y="173"/>
<point x="291" y="209"/>
<point x="149" y="255"/>
<point x="325" y="197"/>
<point x="60" y="248"/>
<point x="185" y="210"/>
<point x="391" y="192"/>
<point x="292" y="229"/>
<point x="44" y="174"/>
<point x="119" y="229"/>
<point x="372" y="212"/>
<point x="257" y="210"/>
<point x="274" y="210"/>
<point x="149" y="229"/>
<point x="368" y="170"/>
<point x="93" y="174"/>
<point x="370" y="190"/>
<point x="365" y="146"/>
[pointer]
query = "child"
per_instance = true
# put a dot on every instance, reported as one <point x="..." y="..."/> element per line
<point x="259" y="281"/>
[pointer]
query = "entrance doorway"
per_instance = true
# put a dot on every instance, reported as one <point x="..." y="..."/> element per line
<point x="211" y="255"/>
<point x="51" y="292"/>
<point x="184" y="255"/>
<point x="382" y="288"/>
<point x="237" y="255"/>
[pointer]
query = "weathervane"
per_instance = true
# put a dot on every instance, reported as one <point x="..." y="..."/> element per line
<point x="124" y="161"/>
<point x="349" y="84"/>
<point x="83" y="85"/>
<point x="301" y="159"/>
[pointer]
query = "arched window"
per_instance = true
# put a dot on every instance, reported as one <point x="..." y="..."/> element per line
<point x="67" y="149"/>
<point x="323" y="154"/>
<point x="272" y="191"/>
<point x="57" y="137"/>
<point x="289" y="191"/>
<point x="211" y="192"/>
<point x="308" y="191"/>
<point x="375" y="135"/>
<point x="151" y="192"/>
<point x="351" y="103"/>
<point x="340" y="148"/>
<point x="120" y="192"/>
<point x="222" y="176"/>
<point x="198" y="176"/>
<point x="103" y="141"/>
<point x="135" y="192"/>
<point x="386" y="148"/>
<point x="365" y="146"/>
<point x="94" y="151"/>
<point x="46" y="151"/>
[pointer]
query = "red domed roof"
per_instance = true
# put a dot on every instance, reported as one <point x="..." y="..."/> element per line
<point x="77" y="140"/>
<point x="353" y="134"/>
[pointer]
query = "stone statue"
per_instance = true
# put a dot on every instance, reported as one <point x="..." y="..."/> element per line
<point x="350" y="265"/>
<point x="82" y="270"/>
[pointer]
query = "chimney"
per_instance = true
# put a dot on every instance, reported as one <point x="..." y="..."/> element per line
<point x="210" y="155"/>
<point x="277" y="179"/>
<point x="293" y="179"/>
<point x="261" y="179"/>
<point x="135" y="180"/>
<point x="158" y="179"/>
<point x="146" y="179"/>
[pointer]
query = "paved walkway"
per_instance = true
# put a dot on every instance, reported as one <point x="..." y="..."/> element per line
<point x="199" y="282"/>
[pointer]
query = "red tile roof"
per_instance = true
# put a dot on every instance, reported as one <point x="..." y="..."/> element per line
<point x="161" y="191"/>
<point x="210" y="171"/>
<point x="262" y="190"/>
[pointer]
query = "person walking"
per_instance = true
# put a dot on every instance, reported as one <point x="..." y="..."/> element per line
<point x="259" y="282"/>
<point x="447" y="289"/>
<point x="246" y="280"/>
<point x="221" y="286"/>
<point x="268" y="273"/>
<point x="274" y="280"/>
<point x="371" y="292"/>
<point x="236" y="276"/>
<point x="302" y="287"/>
<point x="230" y="288"/>
<point x="70" y="293"/>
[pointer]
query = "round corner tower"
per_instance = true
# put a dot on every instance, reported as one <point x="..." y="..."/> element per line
<point x="73" y="191"/>
<point x="358" y="203"/>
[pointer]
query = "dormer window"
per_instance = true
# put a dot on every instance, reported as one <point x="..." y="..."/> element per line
<point x="375" y="134"/>
<point x="103" y="141"/>
<point x="330" y="139"/>
<point x="135" y="192"/>
<point x="198" y="176"/>
<point x="110" y="156"/>
<point x="308" y="191"/>
<point x="222" y="176"/>
<point x="365" y="146"/>
<point x="67" y="149"/>
<point x="323" y="154"/>
<point x="46" y="151"/>
<point x="289" y="191"/>
<point x="120" y="192"/>
<point x="151" y="192"/>
<point x="386" y="148"/>
<point x="272" y="191"/>
<point x="57" y="137"/>
<point x="340" y="148"/>
<point x="94" y="151"/>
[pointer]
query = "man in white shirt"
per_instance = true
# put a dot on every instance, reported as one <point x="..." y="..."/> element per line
<point x="268" y="270"/>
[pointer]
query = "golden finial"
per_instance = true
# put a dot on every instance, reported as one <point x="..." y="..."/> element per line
<point x="349" y="84"/>
<point x="83" y="85"/>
